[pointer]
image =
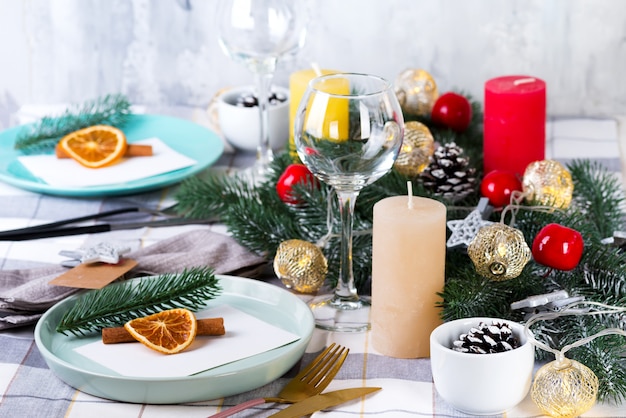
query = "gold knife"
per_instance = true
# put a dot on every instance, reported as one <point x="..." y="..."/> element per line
<point x="322" y="401"/>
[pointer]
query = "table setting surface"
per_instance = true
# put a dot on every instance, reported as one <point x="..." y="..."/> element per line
<point x="29" y="388"/>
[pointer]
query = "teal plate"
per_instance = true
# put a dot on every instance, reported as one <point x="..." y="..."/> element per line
<point x="186" y="137"/>
<point x="262" y="300"/>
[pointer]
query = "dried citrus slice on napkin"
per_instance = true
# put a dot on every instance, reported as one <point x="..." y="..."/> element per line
<point x="96" y="146"/>
<point x="167" y="332"/>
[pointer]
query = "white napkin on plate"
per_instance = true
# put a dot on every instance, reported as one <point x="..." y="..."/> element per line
<point x="246" y="336"/>
<point x="68" y="173"/>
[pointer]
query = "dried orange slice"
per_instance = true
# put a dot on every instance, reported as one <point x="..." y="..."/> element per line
<point x="96" y="146"/>
<point x="167" y="332"/>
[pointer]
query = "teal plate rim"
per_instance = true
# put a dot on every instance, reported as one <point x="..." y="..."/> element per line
<point x="266" y="301"/>
<point x="186" y="137"/>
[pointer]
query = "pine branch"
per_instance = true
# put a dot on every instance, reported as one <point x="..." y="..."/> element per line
<point x="600" y="277"/>
<point x="604" y="355"/>
<point x="606" y="358"/>
<point x="468" y="294"/>
<point x="203" y="198"/>
<point x="249" y="222"/>
<point x="42" y="137"/>
<point x="599" y="196"/>
<point x="114" y="305"/>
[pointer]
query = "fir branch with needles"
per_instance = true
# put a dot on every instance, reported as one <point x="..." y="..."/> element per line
<point x="117" y="304"/>
<point x="42" y="136"/>
<point x="598" y="196"/>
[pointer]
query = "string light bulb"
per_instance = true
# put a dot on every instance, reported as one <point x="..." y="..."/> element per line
<point x="499" y="252"/>
<point x="564" y="388"/>
<point x="549" y="183"/>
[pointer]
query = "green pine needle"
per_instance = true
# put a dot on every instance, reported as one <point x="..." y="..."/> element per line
<point x="42" y="136"/>
<point x="115" y="305"/>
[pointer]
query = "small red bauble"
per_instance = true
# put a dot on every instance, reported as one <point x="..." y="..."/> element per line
<point x="498" y="185"/>
<point x="558" y="246"/>
<point x="294" y="174"/>
<point x="453" y="111"/>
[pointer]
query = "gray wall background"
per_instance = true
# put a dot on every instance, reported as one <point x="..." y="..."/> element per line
<point x="165" y="52"/>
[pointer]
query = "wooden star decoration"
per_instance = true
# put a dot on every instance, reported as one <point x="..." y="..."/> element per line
<point x="464" y="230"/>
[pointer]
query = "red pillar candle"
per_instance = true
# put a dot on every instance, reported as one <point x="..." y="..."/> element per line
<point x="514" y="123"/>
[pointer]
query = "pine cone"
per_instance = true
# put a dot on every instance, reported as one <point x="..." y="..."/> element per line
<point x="494" y="338"/>
<point x="449" y="174"/>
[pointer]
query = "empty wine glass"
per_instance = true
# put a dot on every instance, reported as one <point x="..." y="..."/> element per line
<point x="258" y="33"/>
<point x="348" y="132"/>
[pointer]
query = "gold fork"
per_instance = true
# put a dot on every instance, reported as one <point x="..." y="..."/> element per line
<point x="311" y="380"/>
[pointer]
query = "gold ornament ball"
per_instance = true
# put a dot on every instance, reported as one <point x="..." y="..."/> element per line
<point x="564" y="389"/>
<point x="499" y="252"/>
<point x="416" y="91"/>
<point x="549" y="183"/>
<point x="417" y="148"/>
<point x="300" y="265"/>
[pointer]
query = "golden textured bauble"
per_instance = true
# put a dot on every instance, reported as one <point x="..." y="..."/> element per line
<point x="548" y="183"/>
<point x="417" y="92"/>
<point x="417" y="148"/>
<point x="300" y="265"/>
<point x="499" y="252"/>
<point x="564" y="389"/>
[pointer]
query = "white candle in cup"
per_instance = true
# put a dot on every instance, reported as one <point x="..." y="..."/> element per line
<point x="408" y="270"/>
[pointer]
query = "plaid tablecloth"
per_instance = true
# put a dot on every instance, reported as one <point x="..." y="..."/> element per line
<point x="29" y="389"/>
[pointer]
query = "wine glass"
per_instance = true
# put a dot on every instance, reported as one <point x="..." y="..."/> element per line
<point x="258" y="33"/>
<point x="348" y="132"/>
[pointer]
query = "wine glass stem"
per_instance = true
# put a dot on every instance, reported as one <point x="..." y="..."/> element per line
<point x="345" y="289"/>
<point x="264" y="151"/>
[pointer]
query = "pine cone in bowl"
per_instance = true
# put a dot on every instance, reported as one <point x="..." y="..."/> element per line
<point x="485" y="339"/>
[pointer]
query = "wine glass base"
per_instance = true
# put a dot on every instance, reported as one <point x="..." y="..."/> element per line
<point x="336" y="314"/>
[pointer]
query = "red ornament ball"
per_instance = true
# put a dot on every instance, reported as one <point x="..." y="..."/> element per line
<point x="294" y="174"/>
<point x="558" y="246"/>
<point x="498" y="185"/>
<point x="452" y="110"/>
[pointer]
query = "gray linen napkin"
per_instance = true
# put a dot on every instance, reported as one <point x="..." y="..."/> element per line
<point x="25" y="294"/>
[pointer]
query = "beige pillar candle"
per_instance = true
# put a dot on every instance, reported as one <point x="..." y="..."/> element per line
<point x="408" y="269"/>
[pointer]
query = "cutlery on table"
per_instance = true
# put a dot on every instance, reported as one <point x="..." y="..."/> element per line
<point x="61" y="228"/>
<point x="323" y="401"/>
<point x="311" y="380"/>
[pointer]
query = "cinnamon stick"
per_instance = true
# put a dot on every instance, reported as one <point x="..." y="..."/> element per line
<point x="132" y="150"/>
<point x="206" y="326"/>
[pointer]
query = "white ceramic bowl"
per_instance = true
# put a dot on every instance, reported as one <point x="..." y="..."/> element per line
<point x="480" y="384"/>
<point x="241" y="125"/>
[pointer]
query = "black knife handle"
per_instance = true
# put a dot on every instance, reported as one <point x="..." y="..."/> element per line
<point x="59" y="232"/>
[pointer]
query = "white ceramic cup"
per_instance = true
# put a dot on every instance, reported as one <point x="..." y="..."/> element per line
<point x="480" y="384"/>
<point x="241" y="125"/>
